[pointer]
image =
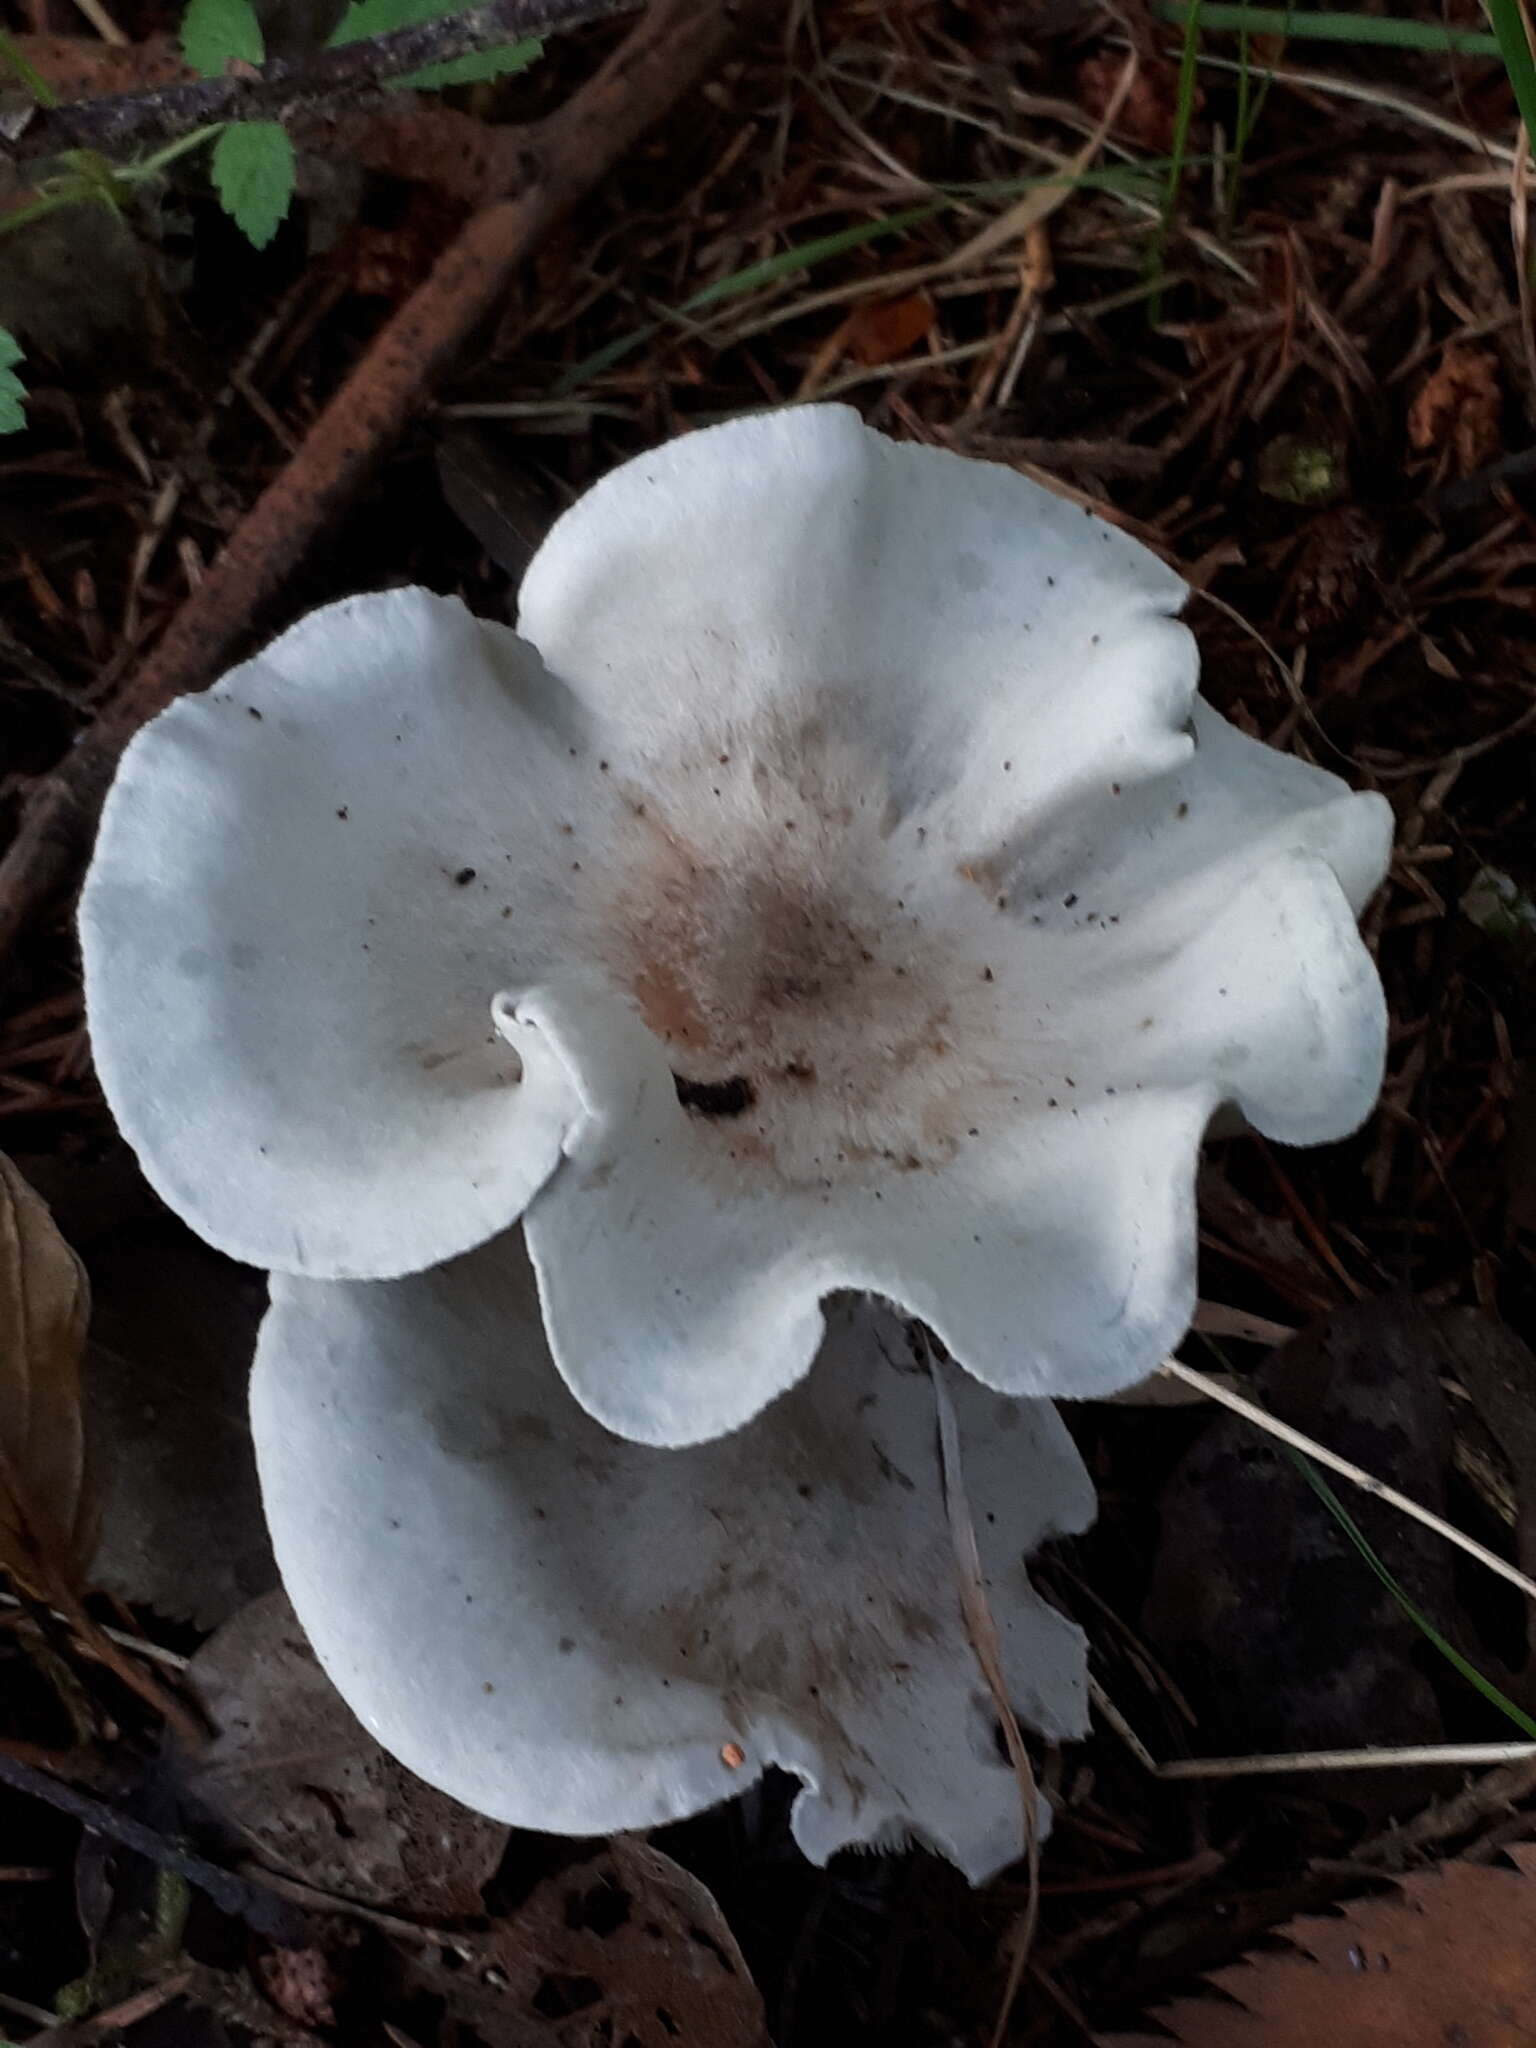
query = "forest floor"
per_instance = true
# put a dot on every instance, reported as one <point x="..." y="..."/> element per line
<point x="1271" y="321"/>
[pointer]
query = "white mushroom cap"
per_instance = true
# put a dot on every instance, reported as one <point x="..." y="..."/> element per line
<point x="850" y="892"/>
<point x="292" y="931"/>
<point x="571" y="1632"/>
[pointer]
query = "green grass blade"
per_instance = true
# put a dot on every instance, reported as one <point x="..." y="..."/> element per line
<point x="1304" y="25"/>
<point x="823" y="248"/>
<point x="807" y="254"/>
<point x="1250" y="104"/>
<point x="1183" y="114"/>
<point x="78" y="193"/>
<point x="1515" y="49"/>
<point x="804" y="256"/>
<point x="1242" y="131"/>
<point x="28" y="73"/>
<point x="1415" y="1614"/>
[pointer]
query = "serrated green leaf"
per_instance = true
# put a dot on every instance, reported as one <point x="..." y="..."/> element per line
<point x="253" y="173"/>
<point x="13" y="392"/>
<point x="379" y="17"/>
<point x="214" y="31"/>
<point x="476" y="67"/>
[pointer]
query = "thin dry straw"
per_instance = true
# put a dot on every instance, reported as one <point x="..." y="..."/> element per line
<point x="1280" y="1763"/>
<point x="1241" y="1405"/>
<point x="1464" y="1753"/>
<point x="982" y="1630"/>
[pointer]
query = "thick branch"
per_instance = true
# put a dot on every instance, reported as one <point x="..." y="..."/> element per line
<point x="286" y="88"/>
<point x="675" y="43"/>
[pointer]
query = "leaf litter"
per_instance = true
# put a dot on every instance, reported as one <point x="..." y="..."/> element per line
<point x="620" y="1945"/>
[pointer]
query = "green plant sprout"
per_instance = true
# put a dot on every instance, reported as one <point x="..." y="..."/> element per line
<point x="86" y="177"/>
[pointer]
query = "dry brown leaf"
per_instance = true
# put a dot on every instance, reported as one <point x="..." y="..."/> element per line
<point x="292" y="1772"/>
<point x="81" y="68"/>
<point x="1456" y="409"/>
<point x="1149" y="114"/>
<point x="882" y="331"/>
<point x="48" y="1516"/>
<point x="1450" y="1958"/>
<point x="624" y="1947"/>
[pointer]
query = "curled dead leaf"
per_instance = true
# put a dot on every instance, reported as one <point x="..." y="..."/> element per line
<point x="48" y="1511"/>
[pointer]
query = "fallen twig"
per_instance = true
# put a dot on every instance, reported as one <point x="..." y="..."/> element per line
<point x="286" y="87"/>
<point x="403" y="134"/>
<point x="982" y="1630"/>
<point x="236" y="1896"/>
<point x="565" y="157"/>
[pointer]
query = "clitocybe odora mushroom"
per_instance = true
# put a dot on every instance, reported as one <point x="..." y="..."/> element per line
<point x="834" y="885"/>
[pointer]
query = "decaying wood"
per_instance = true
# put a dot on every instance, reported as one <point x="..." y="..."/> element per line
<point x="562" y="159"/>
